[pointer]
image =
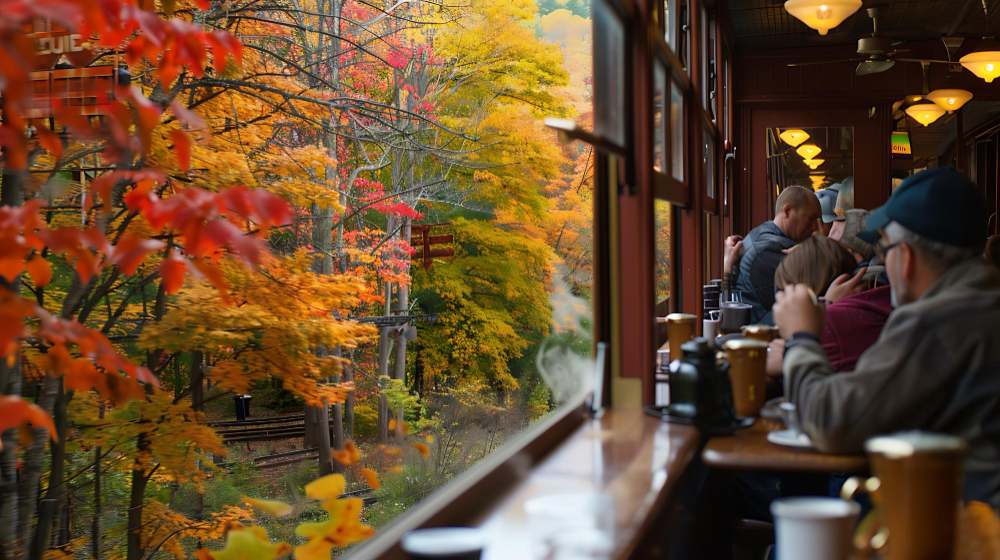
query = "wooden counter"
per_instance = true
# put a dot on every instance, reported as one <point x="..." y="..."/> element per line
<point x="635" y="458"/>
<point x="749" y="450"/>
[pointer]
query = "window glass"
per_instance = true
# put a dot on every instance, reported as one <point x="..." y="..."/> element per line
<point x="683" y="39"/>
<point x="705" y="58"/>
<point x="609" y="63"/>
<point x="670" y="23"/>
<point x="816" y="157"/>
<point x="725" y="98"/>
<point x="676" y="131"/>
<point x="659" y="133"/>
<point x="662" y="233"/>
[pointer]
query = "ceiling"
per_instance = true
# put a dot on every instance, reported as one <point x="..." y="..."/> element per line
<point x="764" y="24"/>
<point x="934" y="140"/>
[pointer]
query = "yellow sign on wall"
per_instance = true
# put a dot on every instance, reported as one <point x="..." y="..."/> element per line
<point x="901" y="144"/>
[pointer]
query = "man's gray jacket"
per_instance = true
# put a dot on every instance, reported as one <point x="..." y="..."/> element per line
<point x="763" y="250"/>
<point x="935" y="367"/>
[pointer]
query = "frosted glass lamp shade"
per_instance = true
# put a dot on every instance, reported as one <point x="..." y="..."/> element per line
<point x="793" y="137"/>
<point x="949" y="99"/>
<point x="808" y="151"/>
<point x="925" y="113"/>
<point x="822" y="15"/>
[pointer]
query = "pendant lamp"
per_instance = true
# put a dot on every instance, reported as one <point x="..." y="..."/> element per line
<point x="949" y="99"/>
<point x="984" y="61"/>
<point x="814" y="163"/>
<point x="808" y="151"/>
<point x="925" y="113"/>
<point x="793" y="137"/>
<point x="817" y="181"/>
<point x="822" y="15"/>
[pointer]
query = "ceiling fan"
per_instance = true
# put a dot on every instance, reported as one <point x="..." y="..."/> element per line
<point x="876" y="52"/>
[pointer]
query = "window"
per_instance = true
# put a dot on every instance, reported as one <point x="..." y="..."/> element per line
<point x="662" y="239"/>
<point x="676" y="131"/>
<point x="814" y="158"/>
<point x="659" y="124"/>
<point x="683" y="39"/>
<point x="708" y="72"/>
<point x="670" y="24"/>
<point x="609" y="64"/>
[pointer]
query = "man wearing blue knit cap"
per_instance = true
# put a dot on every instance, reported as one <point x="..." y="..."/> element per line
<point x="936" y="365"/>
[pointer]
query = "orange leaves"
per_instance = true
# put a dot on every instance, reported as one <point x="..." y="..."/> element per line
<point x="402" y="426"/>
<point x="224" y="44"/>
<point x="423" y="449"/>
<point x="39" y="269"/>
<point x="182" y="146"/>
<point x="347" y="456"/>
<point x="343" y="527"/>
<point x="371" y="478"/>
<point x="276" y="508"/>
<point x="15" y="411"/>
<point x="172" y="272"/>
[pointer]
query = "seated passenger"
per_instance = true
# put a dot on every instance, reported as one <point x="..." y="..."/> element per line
<point x="797" y="211"/>
<point x="853" y="320"/>
<point x="936" y="365"/>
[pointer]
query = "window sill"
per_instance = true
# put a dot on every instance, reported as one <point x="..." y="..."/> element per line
<point x="632" y="456"/>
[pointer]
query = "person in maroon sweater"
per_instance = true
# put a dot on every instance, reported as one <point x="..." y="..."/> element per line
<point x="854" y="320"/>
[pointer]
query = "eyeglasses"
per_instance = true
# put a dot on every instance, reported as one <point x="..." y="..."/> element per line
<point x="883" y="250"/>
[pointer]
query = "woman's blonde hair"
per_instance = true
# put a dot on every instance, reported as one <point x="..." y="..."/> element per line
<point x="816" y="262"/>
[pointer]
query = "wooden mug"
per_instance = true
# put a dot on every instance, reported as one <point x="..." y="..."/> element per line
<point x="916" y="491"/>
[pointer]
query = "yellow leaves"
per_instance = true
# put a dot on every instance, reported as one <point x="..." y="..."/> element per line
<point x="246" y="543"/>
<point x="423" y="449"/>
<point x="343" y="527"/>
<point x="276" y="508"/>
<point x="348" y="455"/>
<point x="403" y="428"/>
<point x="371" y="478"/>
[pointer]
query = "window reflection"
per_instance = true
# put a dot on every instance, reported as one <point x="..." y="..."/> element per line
<point x="609" y="64"/>
<point x="708" y="163"/>
<point x="662" y="236"/>
<point x="676" y="131"/>
<point x="815" y="157"/>
<point x="659" y="134"/>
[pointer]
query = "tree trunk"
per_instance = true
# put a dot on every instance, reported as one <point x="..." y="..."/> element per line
<point x="55" y="494"/>
<point x="325" y="457"/>
<point x="311" y="439"/>
<point x="402" y="306"/>
<point x="95" y="523"/>
<point x="197" y="379"/>
<point x="136" y="499"/>
<point x="34" y="458"/>
<point x="349" y="402"/>
<point x="382" y="427"/>
<point x="11" y="194"/>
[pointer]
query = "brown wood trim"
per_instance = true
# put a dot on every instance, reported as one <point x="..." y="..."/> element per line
<point x="474" y="491"/>
<point x="662" y="50"/>
<point x="667" y="188"/>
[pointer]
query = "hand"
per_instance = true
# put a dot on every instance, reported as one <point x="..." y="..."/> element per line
<point x="789" y="250"/>
<point x="732" y="253"/>
<point x="796" y="310"/>
<point x="775" y="357"/>
<point x="845" y="285"/>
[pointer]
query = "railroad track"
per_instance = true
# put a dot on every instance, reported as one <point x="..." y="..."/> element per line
<point x="261" y="422"/>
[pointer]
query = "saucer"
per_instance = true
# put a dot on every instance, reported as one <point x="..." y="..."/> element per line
<point x="790" y="438"/>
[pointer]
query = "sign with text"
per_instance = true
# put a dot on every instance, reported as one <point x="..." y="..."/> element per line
<point x="901" y="144"/>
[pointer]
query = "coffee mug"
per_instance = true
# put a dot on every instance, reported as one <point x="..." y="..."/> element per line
<point x="747" y="365"/>
<point x="680" y="329"/>
<point x="813" y="528"/>
<point x="916" y="490"/>
<point x="767" y="333"/>
<point x="734" y="316"/>
<point x="440" y="543"/>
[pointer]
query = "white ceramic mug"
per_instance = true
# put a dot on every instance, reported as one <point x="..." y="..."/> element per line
<point x="814" y="528"/>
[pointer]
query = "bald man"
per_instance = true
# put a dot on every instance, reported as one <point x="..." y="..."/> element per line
<point x="797" y="212"/>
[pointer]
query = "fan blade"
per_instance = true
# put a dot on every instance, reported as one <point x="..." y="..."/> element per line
<point x="873" y="67"/>
<point x="823" y="62"/>
<point x="924" y="60"/>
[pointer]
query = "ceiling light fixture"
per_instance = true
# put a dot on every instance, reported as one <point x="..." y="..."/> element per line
<point x="808" y="151"/>
<point x="814" y="163"/>
<point x="793" y="137"/>
<point x="822" y="15"/>
<point x="985" y="61"/>
<point x="949" y="99"/>
<point x="925" y="113"/>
